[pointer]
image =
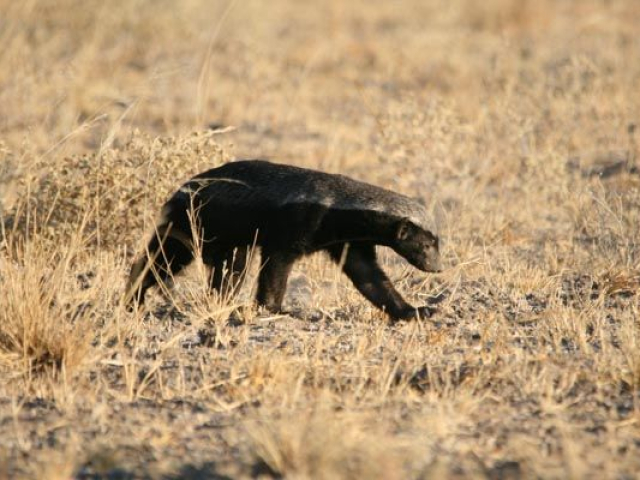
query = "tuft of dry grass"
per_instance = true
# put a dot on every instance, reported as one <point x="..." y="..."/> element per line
<point x="45" y="326"/>
<point x="319" y="442"/>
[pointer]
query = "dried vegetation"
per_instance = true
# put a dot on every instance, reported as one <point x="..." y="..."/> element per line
<point x="514" y="120"/>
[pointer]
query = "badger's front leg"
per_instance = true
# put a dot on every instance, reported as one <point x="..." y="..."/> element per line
<point x="272" y="280"/>
<point x="359" y="263"/>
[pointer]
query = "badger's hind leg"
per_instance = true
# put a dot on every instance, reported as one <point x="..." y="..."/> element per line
<point x="167" y="254"/>
<point x="228" y="269"/>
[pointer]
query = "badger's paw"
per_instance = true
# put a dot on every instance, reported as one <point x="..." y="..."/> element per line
<point x="419" y="313"/>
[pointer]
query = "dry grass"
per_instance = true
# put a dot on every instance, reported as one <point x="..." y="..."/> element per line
<point x="514" y="120"/>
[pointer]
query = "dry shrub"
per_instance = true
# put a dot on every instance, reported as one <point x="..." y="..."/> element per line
<point x="115" y="191"/>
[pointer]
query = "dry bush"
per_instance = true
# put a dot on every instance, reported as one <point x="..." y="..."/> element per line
<point x="116" y="192"/>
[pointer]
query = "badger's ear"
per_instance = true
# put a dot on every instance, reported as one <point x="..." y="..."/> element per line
<point x="420" y="200"/>
<point x="433" y="239"/>
<point x="403" y="227"/>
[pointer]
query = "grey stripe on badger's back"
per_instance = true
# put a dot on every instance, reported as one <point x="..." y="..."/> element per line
<point x="342" y="193"/>
<point x="295" y="185"/>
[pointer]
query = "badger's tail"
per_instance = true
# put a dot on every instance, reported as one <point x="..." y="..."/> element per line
<point x="168" y="252"/>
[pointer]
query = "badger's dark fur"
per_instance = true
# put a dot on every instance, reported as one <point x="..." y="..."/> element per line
<point x="288" y="212"/>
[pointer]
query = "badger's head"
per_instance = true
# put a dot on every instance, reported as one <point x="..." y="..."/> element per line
<point x="419" y="246"/>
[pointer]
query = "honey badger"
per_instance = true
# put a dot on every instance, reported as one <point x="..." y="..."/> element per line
<point x="289" y="212"/>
